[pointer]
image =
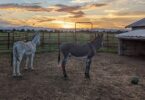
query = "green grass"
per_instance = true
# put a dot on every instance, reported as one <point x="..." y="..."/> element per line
<point x="111" y="50"/>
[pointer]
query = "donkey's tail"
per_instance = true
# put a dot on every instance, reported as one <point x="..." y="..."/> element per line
<point x="59" y="55"/>
<point x="12" y="58"/>
<point x="15" y="53"/>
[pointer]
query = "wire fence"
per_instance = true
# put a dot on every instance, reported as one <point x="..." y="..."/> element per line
<point x="51" y="40"/>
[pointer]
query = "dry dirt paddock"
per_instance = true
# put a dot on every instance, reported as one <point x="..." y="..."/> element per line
<point x="110" y="79"/>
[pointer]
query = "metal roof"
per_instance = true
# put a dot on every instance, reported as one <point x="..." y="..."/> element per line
<point x="136" y="34"/>
<point x="137" y="23"/>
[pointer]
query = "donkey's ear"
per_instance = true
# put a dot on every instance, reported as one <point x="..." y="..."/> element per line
<point x="94" y="39"/>
<point x="98" y="35"/>
<point x="101" y="35"/>
<point x="33" y="36"/>
<point x="37" y="33"/>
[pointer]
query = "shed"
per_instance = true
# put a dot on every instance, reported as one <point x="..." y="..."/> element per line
<point x="133" y="42"/>
<point x="137" y="25"/>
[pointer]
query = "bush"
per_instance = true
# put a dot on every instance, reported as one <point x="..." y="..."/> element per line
<point x="135" y="80"/>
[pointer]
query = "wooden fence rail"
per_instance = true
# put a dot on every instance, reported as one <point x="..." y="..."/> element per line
<point x="51" y="40"/>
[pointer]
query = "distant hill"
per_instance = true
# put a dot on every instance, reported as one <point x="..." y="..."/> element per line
<point x="26" y="28"/>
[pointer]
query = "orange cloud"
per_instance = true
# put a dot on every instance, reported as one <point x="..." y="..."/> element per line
<point x="93" y="6"/>
<point x="28" y="7"/>
<point x="76" y="10"/>
<point x="130" y="13"/>
<point x="42" y="19"/>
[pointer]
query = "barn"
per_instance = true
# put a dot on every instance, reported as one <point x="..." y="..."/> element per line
<point x="133" y="42"/>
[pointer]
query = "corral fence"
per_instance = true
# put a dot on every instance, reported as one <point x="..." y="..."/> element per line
<point x="50" y="41"/>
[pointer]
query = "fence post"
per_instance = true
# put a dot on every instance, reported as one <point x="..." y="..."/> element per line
<point x="49" y="41"/>
<point x="42" y="40"/>
<point x="75" y="37"/>
<point x="8" y="40"/>
<point x="26" y="36"/>
<point x="58" y="40"/>
<point x="95" y="35"/>
<point x="107" y="41"/>
<point x="13" y="38"/>
<point x="90" y="35"/>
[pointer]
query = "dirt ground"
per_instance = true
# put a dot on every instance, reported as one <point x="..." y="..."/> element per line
<point x="110" y="79"/>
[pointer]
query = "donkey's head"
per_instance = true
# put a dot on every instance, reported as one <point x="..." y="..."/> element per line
<point x="36" y="39"/>
<point x="98" y="41"/>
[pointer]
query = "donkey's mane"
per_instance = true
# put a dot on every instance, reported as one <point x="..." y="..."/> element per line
<point x="34" y="36"/>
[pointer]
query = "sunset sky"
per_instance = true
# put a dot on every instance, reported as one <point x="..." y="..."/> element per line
<point x="64" y="13"/>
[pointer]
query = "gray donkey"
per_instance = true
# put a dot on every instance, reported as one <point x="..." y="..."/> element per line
<point x="87" y="50"/>
<point x="27" y="49"/>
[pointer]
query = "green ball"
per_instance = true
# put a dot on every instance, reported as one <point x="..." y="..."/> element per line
<point x="135" y="80"/>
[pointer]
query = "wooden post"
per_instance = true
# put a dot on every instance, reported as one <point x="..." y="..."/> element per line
<point x="120" y="47"/>
<point x="26" y="36"/>
<point x="95" y="35"/>
<point x="42" y="45"/>
<point x="58" y="40"/>
<point x="91" y="31"/>
<point x="8" y="40"/>
<point x="107" y="41"/>
<point x="75" y="34"/>
<point x="49" y="41"/>
<point x="82" y="23"/>
<point x="13" y="38"/>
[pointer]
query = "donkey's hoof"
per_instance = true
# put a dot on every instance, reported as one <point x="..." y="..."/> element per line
<point x="19" y="77"/>
<point x="87" y="76"/>
<point x="31" y="69"/>
<point x="14" y="76"/>
<point x="66" y="77"/>
<point x="25" y="68"/>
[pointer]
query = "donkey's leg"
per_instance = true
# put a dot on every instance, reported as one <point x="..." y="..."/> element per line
<point x="64" y="61"/>
<point x="18" y="68"/>
<point x="88" y="63"/>
<point x="31" y="63"/>
<point x="27" y="62"/>
<point x="18" y="65"/>
<point x="14" y="66"/>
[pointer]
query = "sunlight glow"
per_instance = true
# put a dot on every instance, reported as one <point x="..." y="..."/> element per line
<point x="68" y="25"/>
<point x="64" y="24"/>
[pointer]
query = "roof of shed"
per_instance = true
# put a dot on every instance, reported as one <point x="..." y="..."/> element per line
<point x="139" y="23"/>
<point x="136" y="34"/>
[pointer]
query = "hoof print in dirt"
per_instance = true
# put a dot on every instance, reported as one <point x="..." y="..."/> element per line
<point x="135" y="80"/>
